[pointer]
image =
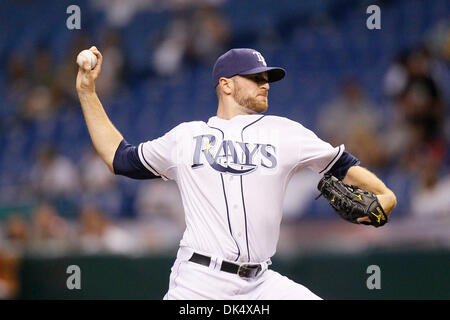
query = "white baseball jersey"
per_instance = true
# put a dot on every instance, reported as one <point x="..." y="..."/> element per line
<point x="232" y="176"/>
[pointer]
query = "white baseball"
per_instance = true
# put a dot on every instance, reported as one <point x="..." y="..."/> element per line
<point x="87" y="55"/>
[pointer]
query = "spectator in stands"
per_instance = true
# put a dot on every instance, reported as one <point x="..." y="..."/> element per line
<point x="199" y="34"/>
<point x="40" y="101"/>
<point x="99" y="185"/>
<point x="39" y="104"/>
<point x="420" y="114"/>
<point x="209" y="34"/>
<point x="113" y="61"/>
<point x="158" y="205"/>
<point x="169" y="52"/>
<point x="300" y="194"/>
<point x="17" y="86"/>
<point x="54" y="175"/>
<point x="118" y="12"/>
<point x="354" y="120"/>
<point x="431" y="198"/>
<point x="396" y="76"/>
<point x="9" y="275"/>
<point x="50" y="232"/>
<point x="99" y="234"/>
<point x="421" y="100"/>
<point x="16" y="232"/>
<point x="42" y="67"/>
<point x="438" y="42"/>
<point x="17" y="81"/>
<point x="67" y="70"/>
<point x="55" y="179"/>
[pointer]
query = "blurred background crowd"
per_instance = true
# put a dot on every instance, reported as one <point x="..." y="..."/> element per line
<point x="383" y="93"/>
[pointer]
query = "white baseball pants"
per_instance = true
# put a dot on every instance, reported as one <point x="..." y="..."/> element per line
<point x="193" y="281"/>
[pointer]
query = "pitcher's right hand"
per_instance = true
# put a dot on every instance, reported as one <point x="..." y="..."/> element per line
<point x="86" y="77"/>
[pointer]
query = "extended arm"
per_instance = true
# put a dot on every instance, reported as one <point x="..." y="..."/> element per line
<point x="366" y="180"/>
<point x="356" y="204"/>
<point x="105" y="137"/>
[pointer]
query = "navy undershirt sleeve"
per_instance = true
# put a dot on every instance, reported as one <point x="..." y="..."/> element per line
<point x="340" y="167"/>
<point x="126" y="163"/>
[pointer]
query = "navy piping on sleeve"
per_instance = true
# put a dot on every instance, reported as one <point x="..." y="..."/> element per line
<point x="324" y="169"/>
<point x="143" y="157"/>
<point x="126" y="163"/>
<point x="345" y="161"/>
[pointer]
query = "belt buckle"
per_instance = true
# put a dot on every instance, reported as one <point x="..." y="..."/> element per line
<point x="248" y="270"/>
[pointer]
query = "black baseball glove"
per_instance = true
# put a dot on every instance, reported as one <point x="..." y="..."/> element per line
<point x="351" y="203"/>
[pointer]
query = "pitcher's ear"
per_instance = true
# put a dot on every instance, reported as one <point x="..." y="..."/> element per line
<point x="226" y="85"/>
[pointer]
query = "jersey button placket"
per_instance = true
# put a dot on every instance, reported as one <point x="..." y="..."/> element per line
<point x="236" y="212"/>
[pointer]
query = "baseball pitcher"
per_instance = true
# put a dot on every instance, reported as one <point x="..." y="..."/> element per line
<point x="232" y="172"/>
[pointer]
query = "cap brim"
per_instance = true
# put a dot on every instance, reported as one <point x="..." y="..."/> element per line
<point x="274" y="73"/>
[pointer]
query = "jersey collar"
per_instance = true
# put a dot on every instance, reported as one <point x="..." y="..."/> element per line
<point x="241" y="120"/>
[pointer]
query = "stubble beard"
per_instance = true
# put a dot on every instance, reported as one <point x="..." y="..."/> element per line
<point x="251" y="104"/>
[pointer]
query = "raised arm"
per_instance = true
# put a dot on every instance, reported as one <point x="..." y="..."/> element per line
<point x="105" y="137"/>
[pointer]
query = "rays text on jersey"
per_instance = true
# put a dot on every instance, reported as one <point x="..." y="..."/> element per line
<point x="235" y="157"/>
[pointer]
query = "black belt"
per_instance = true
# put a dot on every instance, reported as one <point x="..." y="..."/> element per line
<point x="244" y="270"/>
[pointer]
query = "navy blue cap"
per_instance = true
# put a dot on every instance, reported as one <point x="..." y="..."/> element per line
<point x="243" y="62"/>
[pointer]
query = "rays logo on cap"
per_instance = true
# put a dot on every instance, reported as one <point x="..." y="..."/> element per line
<point x="244" y="61"/>
<point x="260" y="58"/>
